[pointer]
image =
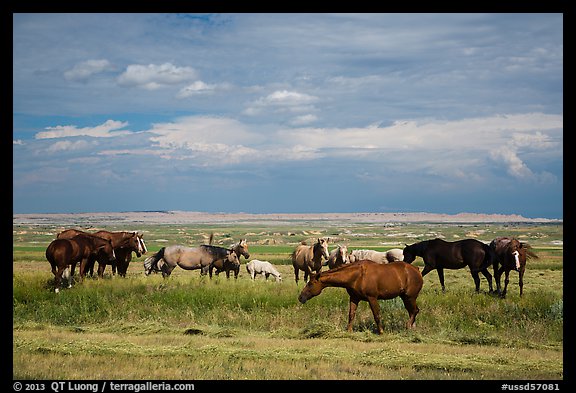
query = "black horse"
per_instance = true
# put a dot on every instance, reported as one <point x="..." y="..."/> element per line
<point x="439" y="254"/>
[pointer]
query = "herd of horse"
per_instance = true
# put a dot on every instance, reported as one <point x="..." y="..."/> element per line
<point x="367" y="275"/>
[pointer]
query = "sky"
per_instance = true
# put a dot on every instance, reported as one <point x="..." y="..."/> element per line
<point x="288" y="113"/>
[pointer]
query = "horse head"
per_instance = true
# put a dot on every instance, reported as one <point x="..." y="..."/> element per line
<point x="133" y="244"/>
<point x="232" y="257"/>
<point x="409" y="253"/>
<point x="321" y="247"/>
<point x="242" y="249"/>
<point x="141" y="245"/>
<point x="343" y="251"/>
<point x="312" y="288"/>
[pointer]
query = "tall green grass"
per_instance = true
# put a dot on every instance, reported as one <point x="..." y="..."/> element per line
<point x="190" y="301"/>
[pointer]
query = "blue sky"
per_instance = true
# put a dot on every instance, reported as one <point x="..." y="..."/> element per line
<point x="259" y="113"/>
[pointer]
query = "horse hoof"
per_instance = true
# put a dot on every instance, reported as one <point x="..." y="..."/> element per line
<point x="57" y="290"/>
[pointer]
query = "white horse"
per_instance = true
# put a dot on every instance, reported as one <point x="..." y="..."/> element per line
<point x="392" y="255"/>
<point x="371" y="255"/>
<point x="256" y="266"/>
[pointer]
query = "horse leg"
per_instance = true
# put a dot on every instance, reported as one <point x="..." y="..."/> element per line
<point x="497" y="276"/>
<point x="488" y="276"/>
<point x="441" y="277"/>
<point x="520" y="280"/>
<point x="412" y="308"/>
<point x="166" y="269"/>
<point x="476" y="278"/>
<point x="66" y="275"/>
<point x="375" y="307"/>
<point x="101" y="268"/>
<point x="58" y="278"/>
<point x="506" y="281"/>
<point x="352" y="312"/>
<point x="84" y="264"/>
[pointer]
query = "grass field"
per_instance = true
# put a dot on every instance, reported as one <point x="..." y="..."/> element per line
<point x="191" y="327"/>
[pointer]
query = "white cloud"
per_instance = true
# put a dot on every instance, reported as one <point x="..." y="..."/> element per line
<point x="514" y="165"/>
<point x="67" y="146"/>
<point x="304" y="119"/>
<point x="288" y="98"/>
<point x="152" y="76"/>
<point x="105" y="130"/>
<point x="85" y="69"/>
<point x="198" y="87"/>
<point x="445" y="148"/>
<point x="283" y="101"/>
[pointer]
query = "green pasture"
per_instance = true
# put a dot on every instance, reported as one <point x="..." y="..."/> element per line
<point x="191" y="327"/>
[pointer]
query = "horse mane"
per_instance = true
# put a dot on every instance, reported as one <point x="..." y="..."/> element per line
<point x="219" y="252"/>
<point x="420" y="246"/>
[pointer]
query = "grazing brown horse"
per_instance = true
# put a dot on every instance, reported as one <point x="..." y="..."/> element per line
<point x="64" y="254"/>
<point x="439" y="254"/>
<point x="309" y="258"/>
<point x="512" y="255"/>
<point x="370" y="281"/>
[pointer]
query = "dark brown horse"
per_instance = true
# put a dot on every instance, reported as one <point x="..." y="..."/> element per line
<point x="64" y="254"/>
<point x="512" y="255"/>
<point x="439" y="254"/>
<point x="370" y="281"/>
<point x="309" y="258"/>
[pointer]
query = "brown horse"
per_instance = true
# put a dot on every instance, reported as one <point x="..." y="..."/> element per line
<point x="124" y="244"/>
<point x="64" y="254"/>
<point x="439" y="254"/>
<point x="309" y="258"/>
<point x="370" y="281"/>
<point x="512" y="255"/>
<point x="124" y="254"/>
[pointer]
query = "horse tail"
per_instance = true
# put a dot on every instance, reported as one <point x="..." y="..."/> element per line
<point x="529" y="252"/>
<point x="211" y="238"/>
<point x="151" y="262"/>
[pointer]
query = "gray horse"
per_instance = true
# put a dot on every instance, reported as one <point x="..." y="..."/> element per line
<point x="188" y="258"/>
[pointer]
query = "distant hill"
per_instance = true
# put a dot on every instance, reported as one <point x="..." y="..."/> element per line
<point x="189" y="217"/>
